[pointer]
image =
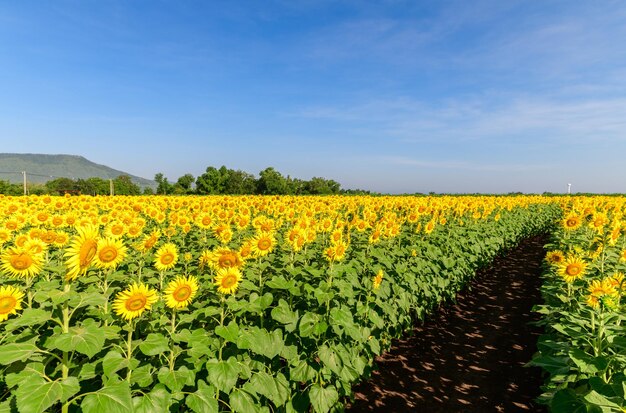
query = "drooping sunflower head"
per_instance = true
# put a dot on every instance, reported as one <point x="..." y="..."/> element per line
<point x="180" y="292"/>
<point x="378" y="279"/>
<point x="19" y="262"/>
<point x="10" y="301"/>
<point x="133" y="301"/>
<point x="166" y="257"/>
<point x="111" y="252"/>
<point x="225" y="258"/>
<point x="227" y="280"/>
<point x="573" y="268"/>
<point x="82" y="250"/>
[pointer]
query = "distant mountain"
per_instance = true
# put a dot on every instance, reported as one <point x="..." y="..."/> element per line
<point x="42" y="168"/>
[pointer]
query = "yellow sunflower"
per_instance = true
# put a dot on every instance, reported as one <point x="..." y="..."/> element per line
<point x="572" y="222"/>
<point x="82" y="250"/>
<point x="17" y="262"/>
<point x="227" y="280"/>
<point x="133" y="301"/>
<point x="262" y="244"/>
<point x="166" y="257"/>
<point x="225" y="258"/>
<point x="180" y="292"/>
<point x="111" y="252"/>
<point x="35" y="246"/>
<point x="10" y="301"/>
<point x="555" y="257"/>
<point x="572" y="268"/>
<point x="378" y="279"/>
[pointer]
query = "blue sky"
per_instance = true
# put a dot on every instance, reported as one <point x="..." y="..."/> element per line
<point x="392" y="96"/>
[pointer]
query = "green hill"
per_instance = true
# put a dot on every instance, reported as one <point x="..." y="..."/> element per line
<point x="42" y="168"/>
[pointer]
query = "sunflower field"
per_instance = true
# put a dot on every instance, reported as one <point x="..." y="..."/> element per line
<point x="584" y="348"/>
<point x="251" y="304"/>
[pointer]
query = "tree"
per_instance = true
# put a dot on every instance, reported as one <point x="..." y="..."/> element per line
<point x="184" y="183"/>
<point x="7" y="188"/>
<point x="123" y="185"/>
<point x="61" y="185"/>
<point x="239" y="183"/>
<point x="213" y="181"/>
<point x="163" y="186"/>
<point x="321" y="186"/>
<point x="271" y="182"/>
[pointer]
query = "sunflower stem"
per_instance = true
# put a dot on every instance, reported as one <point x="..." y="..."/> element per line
<point x="65" y="364"/>
<point x="173" y="331"/>
<point x="222" y="315"/>
<point x="129" y="349"/>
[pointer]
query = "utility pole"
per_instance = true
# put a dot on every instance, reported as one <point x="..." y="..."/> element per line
<point x="24" y="175"/>
<point x="111" y="186"/>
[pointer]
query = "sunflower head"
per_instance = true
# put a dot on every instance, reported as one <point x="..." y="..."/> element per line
<point x="573" y="268"/>
<point x="378" y="279"/>
<point x="111" y="252"/>
<point x="166" y="257"/>
<point x="227" y="280"/>
<point x="572" y="222"/>
<point x="133" y="301"/>
<point x="10" y="301"/>
<point x="180" y="292"/>
<point x="20" y="262"/>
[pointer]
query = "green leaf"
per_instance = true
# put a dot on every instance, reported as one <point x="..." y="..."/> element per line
<point x="229" y="332"/>
<point x="142" y="375"/>
<point x="223" y="374"/>
<point x="565" y="401"/>
<point x="553" y="365"/>
<point x="113" y="362"/>
<point x="203" y="400"/>
<point x="87" y="339"/>
<point x="157" y="401"/>
<point x="308" y="322"/>
<point x="283" y="314"/>
<point x="10" y="353"/>
<point x="38" y="394"/>
<point x="330" y="359"/>
<point x="30" y="317"/>
<point x="177" y="379"/>
<point x="280" y="283"/>
<point x="587" y="363"/>
<point x="113" y="398"/>
<point x="323" y="399"/>
<point x="597" y="399"/>
<point x="274" y="388"/>
<point x="242" y="402"/>
<point x="154" y="344"/>
<point x="301" y="372"/>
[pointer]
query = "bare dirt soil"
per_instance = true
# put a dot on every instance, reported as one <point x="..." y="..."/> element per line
<point x="468" y="357"/>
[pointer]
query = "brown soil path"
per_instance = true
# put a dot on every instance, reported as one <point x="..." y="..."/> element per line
<point x="470" y="356"/>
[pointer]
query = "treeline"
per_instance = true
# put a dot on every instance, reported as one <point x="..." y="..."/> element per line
<point x="213" y="181"/>
<point x="225" y="181"/>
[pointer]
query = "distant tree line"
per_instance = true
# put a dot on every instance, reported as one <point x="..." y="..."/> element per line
<point x="226" y="181"/>
<point x="213" y="181"/>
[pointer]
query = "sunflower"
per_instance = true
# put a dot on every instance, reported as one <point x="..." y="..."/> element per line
<point x="572" y="268"/>
<point x="602" y="292"/>
<point x="5" y="235"/>
<point x="148" y="241"/>
<point x="18" y="262"/>
<point x="133" y="301"/>
<point x="111" y="252"/>
<point x="180" y="292"/>
<point x="572" y="222"/>
<point x="336" y="252"/>
<point x="555" y="257"/>
<point x="166" y="257"/>
<point x="377" y="279"/>
<point x="262" y="244"/>
<point x="227" y="280"/>
<point x="81" y="251"/>
<point x="10" y="301"/>
<point x="35" y="246"/>
<point x="225" y="258"/>
<point x="115" y="229"/>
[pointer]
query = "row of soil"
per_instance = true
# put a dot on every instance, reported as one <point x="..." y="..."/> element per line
<point x="470" y="356"/>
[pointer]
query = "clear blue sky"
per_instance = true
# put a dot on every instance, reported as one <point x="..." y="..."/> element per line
<point x="392" y="96"/>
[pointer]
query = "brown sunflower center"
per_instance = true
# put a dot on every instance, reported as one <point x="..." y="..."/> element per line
<point x="572" y="222"/>
<point x="227" y="260"/>
<point x="107" y="254"/>
<point x="7" y="304"/>
<point x="21" y="261"/>
<point x="136" y="302"/>
<point x="229" y="280"/>
<point x="182" y="293"/>
<point x="117" y="230"/>
<point x="87" y="252"/>
<point x="167" y="258"/>
<point x="573" y="269"/>
<point x="264" y="244"/>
